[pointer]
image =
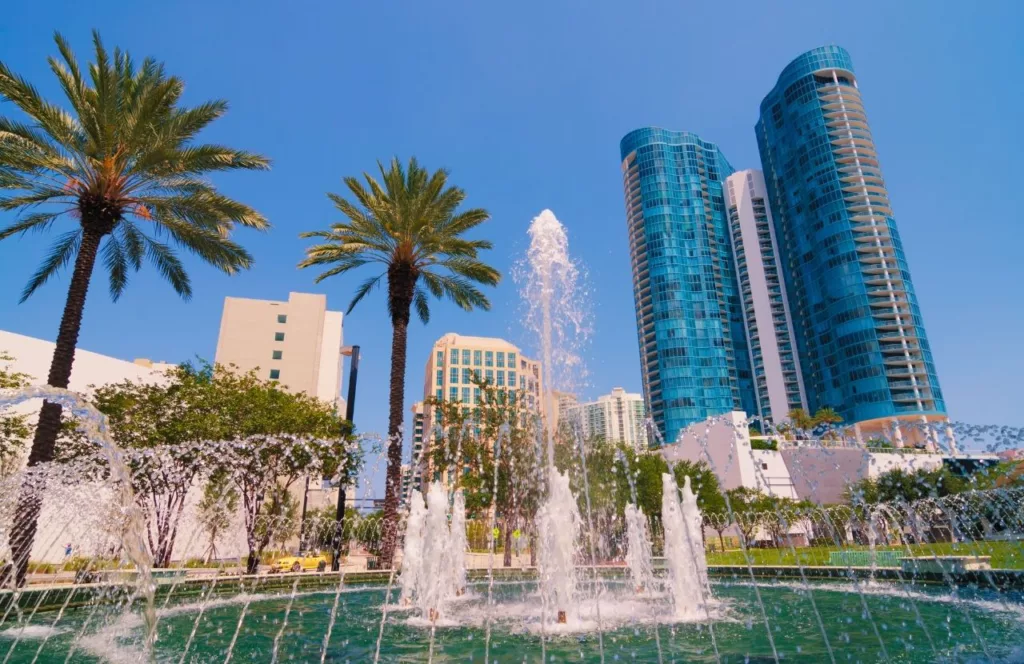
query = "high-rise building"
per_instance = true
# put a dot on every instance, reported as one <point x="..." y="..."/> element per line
<point x="617" y="417"/>
<point x="457" y="361"/>
<point x="861" y="340"/>
<point x="297" y="342"/>
<point x="773" y="357"/>
<point x="412" y="473"/>
<point x="693" y="351"/>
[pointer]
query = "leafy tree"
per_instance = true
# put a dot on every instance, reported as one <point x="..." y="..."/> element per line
<point x="278" y="520"/>
<point x="14" y="427"/>
<point x="799" y="418"/>
<point x="898" y="485"/>
<point x="271" y="438"/>
<point x="122" y="159"/>
<point x="411" y="226"/>
<point x="215" y="509"/>
<point x="745" y="505"/>
<point x="826" y="416"/>
<point x="163" y="429"/>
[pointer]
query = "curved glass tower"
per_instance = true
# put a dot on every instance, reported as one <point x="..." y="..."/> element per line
<point x="693" y="349"/>
<point x="857" y="324"/>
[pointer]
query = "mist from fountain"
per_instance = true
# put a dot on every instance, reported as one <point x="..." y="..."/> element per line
<point x="559" y="523"/>
<point x="684" y="551"/>
<point x="412" y="550"/>
<point x="638" y="550"/>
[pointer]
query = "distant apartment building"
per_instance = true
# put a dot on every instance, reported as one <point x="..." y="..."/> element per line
<point x="297" y="342"/>
<point x="778" y="385"/>
<point x="617" y="417"/>
<point x="457" y="362"/>
<point x="412" y="472"/>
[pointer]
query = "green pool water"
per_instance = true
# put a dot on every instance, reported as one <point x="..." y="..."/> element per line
<point x="886" y="622"/>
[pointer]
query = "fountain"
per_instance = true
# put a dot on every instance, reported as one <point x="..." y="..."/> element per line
<point x="638" y="549"/>
<point x="620" y="575"/>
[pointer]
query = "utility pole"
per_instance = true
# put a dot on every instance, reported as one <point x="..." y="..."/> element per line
<point x="350" y="407"/>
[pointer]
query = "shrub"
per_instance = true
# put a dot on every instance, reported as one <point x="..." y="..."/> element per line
<point x="763" y="444"/>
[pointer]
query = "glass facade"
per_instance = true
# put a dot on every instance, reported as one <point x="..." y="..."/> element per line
<point x="858" y="328"/>
<point x="693" y="350"/>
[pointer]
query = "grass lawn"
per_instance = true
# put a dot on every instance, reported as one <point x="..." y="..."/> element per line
<point x="1005" y="555"/>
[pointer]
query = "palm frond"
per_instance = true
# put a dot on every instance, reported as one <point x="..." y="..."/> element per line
<point x="117" y="266"/>
<point x="38" y="222"/>
<point x="169" y="267"/>
<point x="419" y="301"/>
<point x="61" y="253"/>
<point x="361" y="292"/>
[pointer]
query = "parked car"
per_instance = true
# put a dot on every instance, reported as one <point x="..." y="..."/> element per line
<point x="300" y="563"/>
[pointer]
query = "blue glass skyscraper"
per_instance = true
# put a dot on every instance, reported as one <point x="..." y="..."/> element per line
<point x="693" y="351"/>
<point x="858" y="328"/>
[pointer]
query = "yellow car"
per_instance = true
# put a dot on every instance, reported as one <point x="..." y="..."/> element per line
<point x="306" y="563"/>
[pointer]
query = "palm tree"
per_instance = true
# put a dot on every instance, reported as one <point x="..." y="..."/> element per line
<point x="122" y="161"/>
<point x="824" y="418"/>
<point x="799" y="418"/>
<point x="409" y="224"/>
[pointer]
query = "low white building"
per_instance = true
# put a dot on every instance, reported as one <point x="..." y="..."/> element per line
<point x="819" y="471"/>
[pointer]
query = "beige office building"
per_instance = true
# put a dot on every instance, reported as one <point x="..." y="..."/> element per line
<point x="297" y="342"/>
<point x="456" y="361"/>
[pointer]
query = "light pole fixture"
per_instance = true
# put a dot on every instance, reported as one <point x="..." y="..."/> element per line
<point x="350" y="407"/>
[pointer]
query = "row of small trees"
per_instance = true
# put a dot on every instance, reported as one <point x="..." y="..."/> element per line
<point x="247" y="439"/>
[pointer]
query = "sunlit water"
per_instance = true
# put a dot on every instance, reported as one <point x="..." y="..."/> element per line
<point x="943" y="634"/>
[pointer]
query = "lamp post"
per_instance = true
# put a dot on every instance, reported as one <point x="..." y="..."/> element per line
<point x="350" y="406"/>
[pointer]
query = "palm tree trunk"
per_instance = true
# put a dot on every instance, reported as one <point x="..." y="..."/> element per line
<point x="23" y="530"/>
<point x="401" y="282"/>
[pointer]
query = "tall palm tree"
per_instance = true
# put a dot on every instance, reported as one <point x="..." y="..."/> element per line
<point x="122" y="161"/>
<point x="409" y="224"/>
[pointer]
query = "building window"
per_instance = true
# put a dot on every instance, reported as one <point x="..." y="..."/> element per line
<point x="440" y="394"/>
<point x="476" y="395"/>
<point x="465" y="395"/>
<point x="278" y="336"/>
<point x="511" y="360"/>
<point x="282" y="318"/>
<point x="511" y="378"/>
<point x="455" y="355"/>
<point x="465" y="356"/>
<point x="500" y="359"/>
<point x="275" y="374"/>
<point x="501" y="379"/>
<point x="512" y="398"/>
<point x="489" y="359"/>
<point x="476" y="375"/>
<point x="277" y="355"/>
<point x="453" y="375"/>
<point x="440" y="377"/>
<point x="477" y="358"/>
<point x="467" y="375"/>
<point x="489" y="375"/>
<point x="453" y="394"/>
<point x="440" y="357"/>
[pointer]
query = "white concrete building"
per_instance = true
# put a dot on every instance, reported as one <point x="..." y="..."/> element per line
<point x="297" y="342"/>
<point x="615" y="417"/>
<point x="819" y="471"/>
<point x="778" y="384"/>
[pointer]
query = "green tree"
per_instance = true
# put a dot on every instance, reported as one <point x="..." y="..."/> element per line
<point x="411" y="226"/>
<point x="745" y="506"/>
<point x="215" y="510"/>
<point x="799" y="418"/>
<point x="272" y="438"/>
<point x="14" y="427"/>
<point x="124" y="158"/>
<point x="898" y="485"/>
<point x="278" y="520"/>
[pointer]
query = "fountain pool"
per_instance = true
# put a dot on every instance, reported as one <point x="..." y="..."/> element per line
<point x="737" y="634"/>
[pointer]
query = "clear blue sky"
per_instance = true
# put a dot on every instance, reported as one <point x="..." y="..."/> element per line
<point x="525" y="103"/>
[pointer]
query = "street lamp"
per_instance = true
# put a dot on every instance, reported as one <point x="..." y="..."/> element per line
<point x="350" y="406"/>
